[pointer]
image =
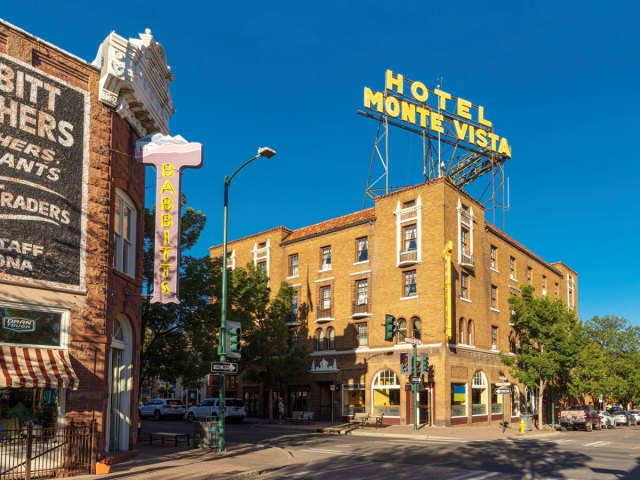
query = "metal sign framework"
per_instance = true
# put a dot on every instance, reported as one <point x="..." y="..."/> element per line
<point x="444" y="154"/>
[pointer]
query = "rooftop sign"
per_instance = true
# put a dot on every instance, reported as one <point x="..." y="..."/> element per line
<point x="436" y="113"/>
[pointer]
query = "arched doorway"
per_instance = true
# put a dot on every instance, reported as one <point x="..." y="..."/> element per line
<point x="120" y="384"/>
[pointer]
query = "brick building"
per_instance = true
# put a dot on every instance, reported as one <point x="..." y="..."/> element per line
<point x="349" y="272"/>
<point x="71" y="237"/>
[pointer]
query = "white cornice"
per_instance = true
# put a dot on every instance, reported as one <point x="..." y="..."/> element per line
<point x="135" y="80"/>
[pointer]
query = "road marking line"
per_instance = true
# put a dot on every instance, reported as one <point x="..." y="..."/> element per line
<point x="491" y="474"/>
<point x="600" y="443"/>
<point x="426" y="440"/>
<point x="467" y="475"/>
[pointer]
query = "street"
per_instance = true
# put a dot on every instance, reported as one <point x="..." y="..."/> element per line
<point x="607" y="454"/>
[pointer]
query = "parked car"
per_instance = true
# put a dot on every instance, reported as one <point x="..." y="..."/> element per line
<point x="580" y="416"/>
<point x="632" y="419"/>
<point x="159" y="408"/>
<point x="620" y="416"/>
<point x="636" y="413"/>
<point x="210" y="407"/>
<point x="607" y="419"/>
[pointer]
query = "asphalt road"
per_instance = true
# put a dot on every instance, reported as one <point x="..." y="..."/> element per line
<point x="579" y="455"/>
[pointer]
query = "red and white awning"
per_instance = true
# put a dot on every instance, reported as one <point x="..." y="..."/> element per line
<point x="36" y="367"/>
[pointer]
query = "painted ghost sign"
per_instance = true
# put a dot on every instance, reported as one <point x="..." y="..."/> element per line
<point x="44" y="153"/>
<point x="169" y="155"/>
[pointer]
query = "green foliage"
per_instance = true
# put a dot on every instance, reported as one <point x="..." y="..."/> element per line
<point x="178" y="339"/>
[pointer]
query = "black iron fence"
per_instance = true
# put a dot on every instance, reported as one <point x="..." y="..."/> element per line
<point x="36" y="452"/>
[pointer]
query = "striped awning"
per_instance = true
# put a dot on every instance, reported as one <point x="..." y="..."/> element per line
<point x="36" y="367"/>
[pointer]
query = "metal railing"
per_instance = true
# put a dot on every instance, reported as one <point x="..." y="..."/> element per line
<point x="466" y="259"/>
<point x="323" y="313"/>
<point x="409" y="256"/>
<point x="360" y="308"/>
<point x="291" y="317"/>
<point x="36" y="452"/>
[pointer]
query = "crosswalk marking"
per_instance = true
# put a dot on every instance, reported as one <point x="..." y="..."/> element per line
<point x="599" y="444"/>
<point x="469" y="475"/>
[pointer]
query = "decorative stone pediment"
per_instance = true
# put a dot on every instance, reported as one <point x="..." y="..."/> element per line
<point x="135" y="81"/>
<point x="323" y="366"/>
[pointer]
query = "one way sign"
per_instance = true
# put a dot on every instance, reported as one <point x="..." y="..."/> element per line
<point x="224" y="367"/>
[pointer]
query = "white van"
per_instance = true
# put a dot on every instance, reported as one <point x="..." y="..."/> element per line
<point x="209" y="407"/>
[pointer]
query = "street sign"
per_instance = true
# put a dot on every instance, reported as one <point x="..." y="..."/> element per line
<point x="412" y="340"/>
<point x="224" y="367"/>
<point x="416" y="379"/>
<point x="504" y="391"/>
<point x="503" y="384"/>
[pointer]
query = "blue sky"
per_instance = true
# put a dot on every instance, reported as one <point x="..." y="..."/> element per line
<point x="559" y="79"/>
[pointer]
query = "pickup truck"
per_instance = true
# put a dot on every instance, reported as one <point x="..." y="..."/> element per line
<point x="580" y="416"/>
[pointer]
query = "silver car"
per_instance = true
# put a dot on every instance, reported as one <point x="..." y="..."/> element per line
<point x="210" y="407"/>
<point x="159" y="408"/>
<point x="620" y="417"/>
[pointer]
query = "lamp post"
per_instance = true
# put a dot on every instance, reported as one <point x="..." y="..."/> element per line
<point x="262" y="152"/>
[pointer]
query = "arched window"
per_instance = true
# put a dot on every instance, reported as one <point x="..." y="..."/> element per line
<point x="461" y="331"/>
<point x="118" y="332"/>
<point x="385" y="390"/>
<point x="402" y="330"/>
<point x="515" y="401"/>
<point x="319" y="339"/>
<point x="416" y="327"/>
<point x="479" y="393"/>
<point x="513" y="346"/>
<point x="331" y="337"/>
<point x="470" y="332"/>
<point x="531" y="400"/>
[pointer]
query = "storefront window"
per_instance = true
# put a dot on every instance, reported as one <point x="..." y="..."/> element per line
<point x="31" y="327"/>
<point x="386" y="394"/>
<point x="515" y="401"/>
<point x="458" y="399"/>
<point x="353" y="399"/>
<point x="298" y="399"/>
<point x="497" y="405"/>
<point x="39" y="405"/>
<point x="479" y="394"/>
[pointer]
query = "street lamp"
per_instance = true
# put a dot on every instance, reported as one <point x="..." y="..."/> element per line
<point x="262" y="152"/>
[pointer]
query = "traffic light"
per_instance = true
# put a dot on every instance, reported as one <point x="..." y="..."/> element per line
<point x="233" y="338"/>
<point x="425" y="362"/>
<point x="390" y="327"/>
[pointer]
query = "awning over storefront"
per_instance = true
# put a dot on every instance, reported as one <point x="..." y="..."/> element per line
<point x="36" y="367"/>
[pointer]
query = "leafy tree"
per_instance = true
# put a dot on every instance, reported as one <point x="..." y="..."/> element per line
<point x="547" y="352"/>
<point x="620" y="346"/>
<point x="266" y="354"/>
<point x="178" y="339"/>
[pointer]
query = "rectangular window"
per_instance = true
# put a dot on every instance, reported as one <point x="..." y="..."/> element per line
<point x="32" y="327"/>
<point x="512" y="268"/>
<point x="362" y="287"/>
<point x="293" y="339"/>
<point x="529" y="275"/>
<point x="353" y="399"/>
<point x="409" y="203"/>
<point x="362" y="332"/>
<point x="362" y="249"/>
<point x="494" y="337"/>
<point x="325" y="254"/>
<point x="410" y="236"/>
<point x="262" y="266"/>
<point x="325" y="294"/>
<point x="124" y="219"/>
<point x="464" y="241"/>
<point x="494" y="257"/>
<point x="496" y="400"/>
<point x="544" y="285"/>
<point x="410" y="283"/>
<point x="458" y="399"/>
<point x="464" y="285"/>
<point x="294" y="300"/>
<point x="494" y="296"/>
<point x="293" y="265"/>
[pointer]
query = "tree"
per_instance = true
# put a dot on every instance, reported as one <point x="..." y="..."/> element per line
<point x="545" y="330"/>
<point x="620" y="346"/>
<point x="267" y="356"/>
<point x="179" y="339"/>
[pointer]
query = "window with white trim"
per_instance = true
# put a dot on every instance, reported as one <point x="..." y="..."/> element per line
<point x="331" y="338"/>
<point x="464" y="285"/>
<point x="124" y="230"/>
<point x="385" y="390"/>
<point x="479" y="394"/>
<point x="461" y="331"/>
<point x="465" y="234"/>
<point x="470" y="333"/>
<point x="494" y="257"/>
<point x="571" y="285"/>
<point x="512" y="268"/>
<point x="293" y="265"/>
<point x="325" y="258"/>
<point x="408" y="232"/>
<point x="494" y="337"/>
<point x="362" y="333"/>
<point x="494" y="297"/>
<point x="362" y="249"/>
<point x="410" y="288"/>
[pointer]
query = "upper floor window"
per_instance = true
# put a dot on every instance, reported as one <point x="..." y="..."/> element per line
<point x="320" y="339"/>
<point x="293" y="339"/>
<point x="461" y="331"/>
<point x="494" y="296"/>
<point x="293" y="265"/>
<point x="362" y="332"/>
<point x="262" y="266"/>
<point x="331" y="338"/>
<point x="402" y="329"/>
<point x="544" y="285"/>
<point x="470" y="333"/>
<point x="410" y="283"/>
<point x="571" y="285"/>
<point x="464" y="285"/>
<point x="464" y="241"/>
<point x="362" y="249"/>
<point x="494" y="257"/>
<point x="416" y="327"/>
<point x="124" y="230"/>
<point x="362" y="292"/>
<point x="408" y="204"/>
<point x="530" y="274"/>
<point x="325" y="294"/>
<point x="294" y="300"/>
<point x="512" y="268"/>
<point x="325" y="253"/>
<point x="494" y="337"/>
<point x="410" y="235"/>
<point x="513" y="346"/>
<point x="556" y="289"/>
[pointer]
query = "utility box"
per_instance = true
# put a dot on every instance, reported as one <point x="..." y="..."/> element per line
<point x="205" y="434"/>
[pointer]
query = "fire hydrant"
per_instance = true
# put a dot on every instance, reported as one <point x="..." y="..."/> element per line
<point x="522" y="425"/>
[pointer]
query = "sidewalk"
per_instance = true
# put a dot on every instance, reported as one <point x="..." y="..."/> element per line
<point x="158" y="462"/>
